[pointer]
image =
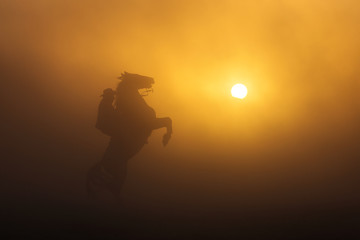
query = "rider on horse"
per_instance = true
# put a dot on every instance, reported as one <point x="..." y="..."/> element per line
<point x="129" y="121"/>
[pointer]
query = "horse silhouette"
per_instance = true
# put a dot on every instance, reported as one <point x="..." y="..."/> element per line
<point x="129" y="121"/>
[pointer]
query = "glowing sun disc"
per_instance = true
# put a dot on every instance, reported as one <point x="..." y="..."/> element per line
<point x="239" y="91"/>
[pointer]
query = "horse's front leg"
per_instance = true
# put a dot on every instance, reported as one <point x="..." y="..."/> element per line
<point x="164" y="122"/>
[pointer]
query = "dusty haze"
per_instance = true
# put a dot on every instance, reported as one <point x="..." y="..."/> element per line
<point x="291" y="143"/>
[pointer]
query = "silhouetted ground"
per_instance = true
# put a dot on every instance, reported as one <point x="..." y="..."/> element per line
<point x="61" y="221"/>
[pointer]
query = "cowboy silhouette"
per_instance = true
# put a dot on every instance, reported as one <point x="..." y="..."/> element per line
<point x="125" y="117"/>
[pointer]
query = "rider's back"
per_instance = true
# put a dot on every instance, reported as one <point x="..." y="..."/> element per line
<point x="106" y="116"/>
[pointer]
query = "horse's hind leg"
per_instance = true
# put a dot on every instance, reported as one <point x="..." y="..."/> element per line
<point x="93" y="181"/>
<point x="119" y="180"/>
<point x="99" y="182"/>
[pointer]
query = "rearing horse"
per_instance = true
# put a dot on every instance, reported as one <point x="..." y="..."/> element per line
<point x="129" y="122"/>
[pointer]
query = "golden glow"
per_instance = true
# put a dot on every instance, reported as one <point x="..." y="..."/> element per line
<point x="239" y="91"/>
<point x="195" y="55"/>
<point x="289" y="54"/>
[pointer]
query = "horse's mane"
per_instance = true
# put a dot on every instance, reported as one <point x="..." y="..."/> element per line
<point x="127" y="95"/>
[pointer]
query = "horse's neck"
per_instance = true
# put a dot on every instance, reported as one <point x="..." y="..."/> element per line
<point x="134" y="103"/>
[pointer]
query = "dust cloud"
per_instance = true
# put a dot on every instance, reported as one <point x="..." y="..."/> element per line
<point x="292" y="142"/>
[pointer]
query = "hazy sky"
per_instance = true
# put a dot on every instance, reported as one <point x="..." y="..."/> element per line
<point x="298" y="58"/>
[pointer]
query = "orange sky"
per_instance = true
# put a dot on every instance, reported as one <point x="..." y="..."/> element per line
<point x="298" y="58"/>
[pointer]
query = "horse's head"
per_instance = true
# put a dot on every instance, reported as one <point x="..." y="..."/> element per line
<point x="136" y="81"/>
<point x="128" y="97"/>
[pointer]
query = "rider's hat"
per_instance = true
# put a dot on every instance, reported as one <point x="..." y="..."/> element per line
<point x="108" y="92"/>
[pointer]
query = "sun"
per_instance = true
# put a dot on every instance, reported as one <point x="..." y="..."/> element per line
<point x="239" y="91"/>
